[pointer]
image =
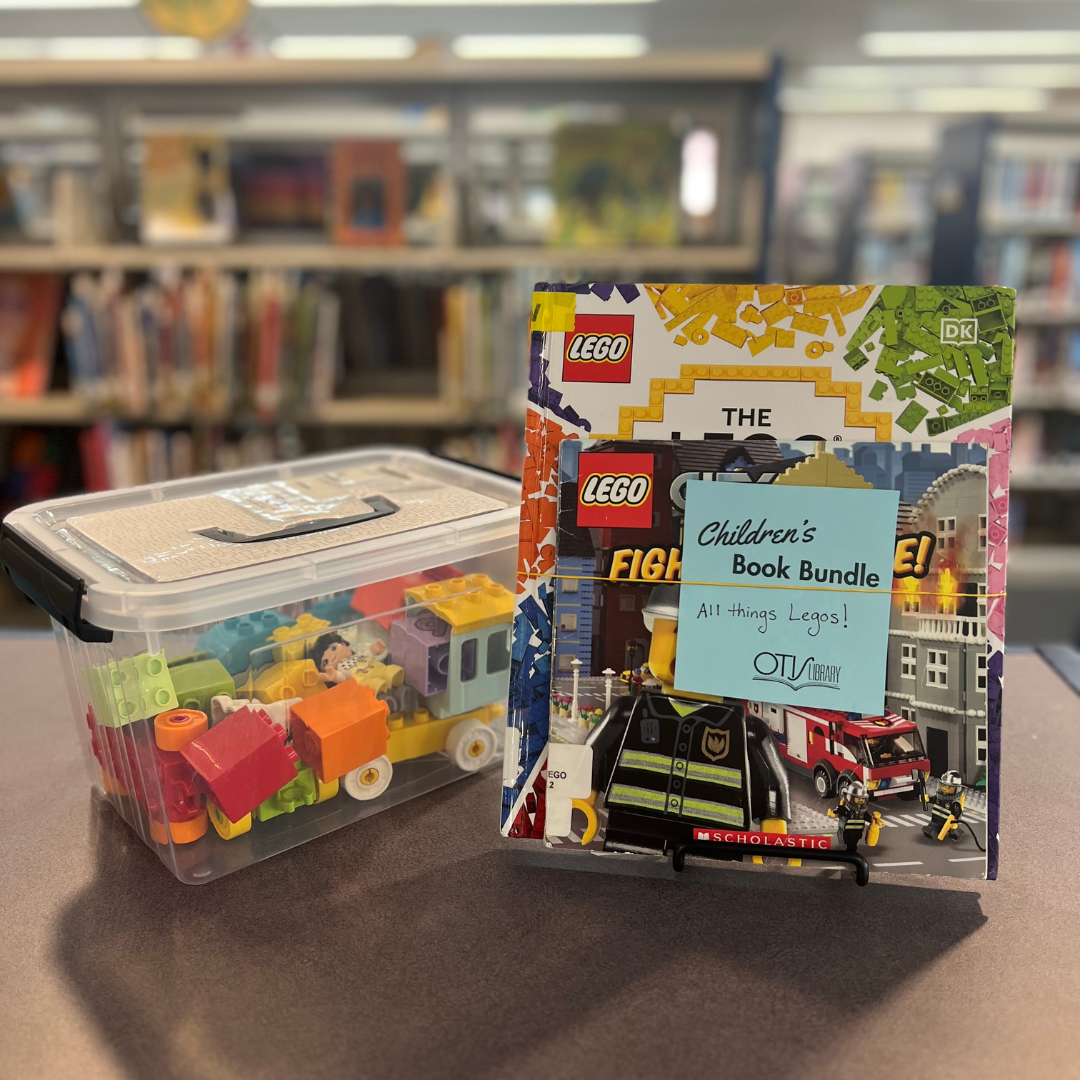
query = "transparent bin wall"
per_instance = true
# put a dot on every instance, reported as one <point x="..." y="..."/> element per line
<point x="421" y="698"/>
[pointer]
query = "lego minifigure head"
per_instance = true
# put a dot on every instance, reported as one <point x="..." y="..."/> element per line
<point x="329" y="651"/>
<point x="661" y="615"/>
<point x="950" y="784"/>
<point x="856" y="794"/>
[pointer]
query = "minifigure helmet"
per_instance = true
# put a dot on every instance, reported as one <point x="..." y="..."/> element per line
<point x="856" y="789"/>
<point x="950" y="783"/>
<point x="663" y="603"/>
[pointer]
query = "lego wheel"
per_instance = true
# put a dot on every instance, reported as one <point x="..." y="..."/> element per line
<point x="843" y="780"/>
<point x="370" y="780"/>
<point x="471" y="745"/>
<point x="823" y="781"/>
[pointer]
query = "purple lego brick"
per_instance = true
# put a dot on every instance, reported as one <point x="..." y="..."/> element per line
<point x="420" y="643"/>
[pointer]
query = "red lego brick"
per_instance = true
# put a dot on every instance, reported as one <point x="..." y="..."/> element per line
<point x="381" y="598"/>
<point x="241" y="762"/>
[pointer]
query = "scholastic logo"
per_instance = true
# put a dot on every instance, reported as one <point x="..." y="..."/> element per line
<point x="615" y="491"/>
<point x="599" y="349"/>
<point x="785" y="840"/>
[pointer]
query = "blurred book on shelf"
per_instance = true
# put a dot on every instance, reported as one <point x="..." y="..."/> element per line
<point x="368" y="193"/>
<point x="1020" y="191"/>
<point x="185" y="191"/>
<point x="205" y="342"/>
<point x="29" y="305"/>
<point x="616" y="184"/>
<point x="280" y="192"/>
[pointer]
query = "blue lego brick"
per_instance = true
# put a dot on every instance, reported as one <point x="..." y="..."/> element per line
<point x="233" y="640"/>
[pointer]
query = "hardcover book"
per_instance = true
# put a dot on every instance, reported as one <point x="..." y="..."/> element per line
<point x="761" y="575"/>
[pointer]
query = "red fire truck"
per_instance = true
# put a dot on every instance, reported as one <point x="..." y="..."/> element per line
<point x="832" y="747"/>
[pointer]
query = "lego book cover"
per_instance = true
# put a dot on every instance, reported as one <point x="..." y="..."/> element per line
<point x="848" y="668"/>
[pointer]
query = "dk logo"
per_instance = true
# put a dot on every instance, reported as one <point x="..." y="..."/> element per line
<point x="615" y="491"/>
<point x="959" y="331"/>
<point x="599" y="349"/>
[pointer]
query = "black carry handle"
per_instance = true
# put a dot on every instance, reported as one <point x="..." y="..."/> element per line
<point x="715" y="849"/>
<point x="51" y="586"/>
<point x="380" y="507"/>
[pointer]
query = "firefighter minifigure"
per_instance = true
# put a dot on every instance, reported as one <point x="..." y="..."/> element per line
<point x="855" y="817"/>
<point x="667" y="763"/>
<point x="946" y="808"/>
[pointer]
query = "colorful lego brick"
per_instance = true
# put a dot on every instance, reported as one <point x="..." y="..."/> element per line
<point x="381" y="600"/>
<point x="290" y="639"/>
<point x="302" y="790"/>
<point x="241" y="762"/>
<point x="420" y="643"/>
<point x="894" y="296"/>
<point x="785" y="339"/>
<point x="135" y="688"/>
<point x="340" y="729"/>
<point x="233" y="640"/>
<point x="877" y="391"/>
<point x="422" y="734"/>
<point x="978" y="366"/>
<point x="466" y="603"/>
<point x="288" y="679"/>
<point x="810" y="324"/>
<point x="855" y="359"/>
<point x="334" y="609"/>
<point x="939" y="384"/>
<point x="911" y="417"/>
<point x="737" y="335"/>
<point x="197" y="681"/>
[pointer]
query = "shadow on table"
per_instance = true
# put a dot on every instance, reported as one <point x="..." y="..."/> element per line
<point x="342" y="959"/>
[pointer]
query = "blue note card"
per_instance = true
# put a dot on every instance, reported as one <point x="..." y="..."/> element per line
<point x="822" y="639"/>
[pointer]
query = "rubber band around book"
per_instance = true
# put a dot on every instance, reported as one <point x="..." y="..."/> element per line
<point x="762" y="585"/>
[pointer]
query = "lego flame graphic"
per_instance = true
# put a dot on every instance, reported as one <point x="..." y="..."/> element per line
<point x="948" y="586"/>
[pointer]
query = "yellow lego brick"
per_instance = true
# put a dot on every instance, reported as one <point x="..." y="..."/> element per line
<point x="625" y="411"/>
<point x="287" y="679"/>
<point x="785" y="339"/>
<point x="815" y="374"/>
<point x="657" y="384"/>
<point x="762" y="342"/>
<point x="775" y="312"/>
<point x="821" y="292"/>
<point x="884" y="428"/>
<point x="673" y="299"/>
<point x="679" y="339"/>
<point x="639" y="412"/>
<point x="769" y="294"/>
<point x="626" y="427"/>
<point x="553" y="311"/>
<point x="793" y="297"/>
<point x="679" y="386"/>
<point x="743" y="293"/>
<point x="809" y="323"/>
<point x="827" y="346"/>
<point x="838" y="322"/>
<point x="466" y="603"/>
<point x="696" y="326"/>
<point x="306" y="625"/>
<point x="656" y="397"/>
<point x="750" y="314"/>
<point x="853" y="300"/>
<point x="734" y="334"/>
<point x="421" y="734"/>
<point x="656" y="413"/>
<point x="818" y="307"/>
<point x="703" y="304"/>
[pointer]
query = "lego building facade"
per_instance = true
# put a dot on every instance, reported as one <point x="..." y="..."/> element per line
<point x="937" y="636"/>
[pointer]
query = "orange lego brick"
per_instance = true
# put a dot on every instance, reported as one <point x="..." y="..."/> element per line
<point x="793" y="297"/>
<point x="340" y="729"/>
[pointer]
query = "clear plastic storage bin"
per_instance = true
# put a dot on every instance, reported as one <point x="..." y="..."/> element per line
<point x="259" y="657"/>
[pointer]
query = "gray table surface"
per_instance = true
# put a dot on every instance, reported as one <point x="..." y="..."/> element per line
<point x="420" y="943"/>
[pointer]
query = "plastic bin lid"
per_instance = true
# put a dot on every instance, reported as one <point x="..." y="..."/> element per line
<point x="187" y="552"/>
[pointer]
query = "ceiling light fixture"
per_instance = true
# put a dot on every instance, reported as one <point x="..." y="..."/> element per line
<point x="549" y="46"/>
<point x="971" y="43"/>
<point x="343" y="47"/>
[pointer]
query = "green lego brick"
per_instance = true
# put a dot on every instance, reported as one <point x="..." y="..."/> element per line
<point x="999" y="395"/>
<point x="889" y="333"/>
<point x="855" y="359"/>
<point x="303" y="791"/>
<point x="135" y="688"/>
<point x="869" y="346"/>
<point x="911" y="417"/>
<point x="962" y="389"/>
<point x="939" y="384"/>
<point x="927" y="298"/>
<point x="985" y="302"/>
<point x="942" y="410"/>
<point x="978" y="394"/>
<point x="893" y="296"/>
<point x="927" y="363"/>
<point x="1006" y="353"/>
<point x="978" y="365"/>
<point x="959" y="360"/>
<point x="877" y="391"/>
<point x="936" y="425"/>
<point x="872" y="321"/>
<point x="904" y="392"/>
<point x="197" y="681"/>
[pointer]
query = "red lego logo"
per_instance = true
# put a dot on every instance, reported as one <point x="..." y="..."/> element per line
<point x="615" y="491"/>
<point x="599" y="349"/>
